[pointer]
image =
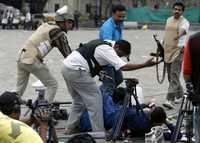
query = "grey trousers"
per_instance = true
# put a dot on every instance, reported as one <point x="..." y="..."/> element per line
<point x="41" y="71"/>
<point x="174" y="69"/>
<point x="86" y="96"/>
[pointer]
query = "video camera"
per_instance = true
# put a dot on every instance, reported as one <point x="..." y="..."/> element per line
<point x="192" y="96"/>
<point x="131" y="83"/>
<point x="189" y="87"/>
<point x="53" y="110"/>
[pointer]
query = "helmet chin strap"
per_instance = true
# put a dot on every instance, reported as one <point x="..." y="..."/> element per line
<point x="63" y="27"/>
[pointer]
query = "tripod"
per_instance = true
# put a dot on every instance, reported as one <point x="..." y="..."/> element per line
<point x="185" y="111"/>
<point x="130" y="91"/>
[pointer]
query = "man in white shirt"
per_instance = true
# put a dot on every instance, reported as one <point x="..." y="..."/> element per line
<point x="176" y="30"/>
<point x="83" y="64"/>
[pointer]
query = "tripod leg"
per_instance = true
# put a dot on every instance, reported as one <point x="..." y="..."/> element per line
<point x="119" y="122"/>
<point x="138" y="105"/>
<point x="178" y="127"/>
<point x="189" y="122"/>
<point x="179" y="121"/>
<point x="118" y="126"/>
<point x="49" y="136"/>
<point x="52" y="134"/>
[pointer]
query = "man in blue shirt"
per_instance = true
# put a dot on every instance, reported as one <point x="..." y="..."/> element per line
<point x="137" y="123"/>
<point x="112" y="30"/>
<point x="112" y="105"/>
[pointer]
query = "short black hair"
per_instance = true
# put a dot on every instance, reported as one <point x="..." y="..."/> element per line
<point x="158" y="115"/>
<point x="118" y="7"/>
<point x="125" y="46"/>
<point x="82" y="138"/>
<point x="9" y="103"/>
<point x="179" y="4"/>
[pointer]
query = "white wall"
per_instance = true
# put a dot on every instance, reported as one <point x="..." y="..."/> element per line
<point x="73" y="5"/>
<point x="50" y="5"/>
<point x="80" y="5"/>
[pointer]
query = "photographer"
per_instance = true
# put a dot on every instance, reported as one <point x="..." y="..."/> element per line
<point x="78" y="71"/>
<point x="191" y="73"/>
<point x="135" y="123"/>
<point x="16" y="131"/>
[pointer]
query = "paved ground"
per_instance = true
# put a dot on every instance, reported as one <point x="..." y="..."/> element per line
<point x="142" y="44"/>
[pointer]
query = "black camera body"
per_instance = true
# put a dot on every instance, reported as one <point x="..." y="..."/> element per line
<point x="131" y="84"/>
<point x="54" y="110"/>
<point x="59" y="113"/>
<point x="195" y="98"/>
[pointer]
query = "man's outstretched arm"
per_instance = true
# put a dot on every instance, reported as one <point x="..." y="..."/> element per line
<point x="130" y="67"/>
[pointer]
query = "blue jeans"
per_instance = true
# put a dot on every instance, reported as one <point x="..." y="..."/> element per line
<point x="196" y="123"/>
<point x="108" y="84"/>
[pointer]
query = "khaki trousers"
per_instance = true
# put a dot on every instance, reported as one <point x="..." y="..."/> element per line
<point x="41" y="71"/>
<point x="175" y="89"/>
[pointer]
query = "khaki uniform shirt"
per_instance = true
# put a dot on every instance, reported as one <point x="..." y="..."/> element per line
<point x="32" y="49"/>
<point x="172" y="29"/>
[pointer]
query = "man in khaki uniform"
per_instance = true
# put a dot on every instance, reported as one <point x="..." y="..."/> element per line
<point x="176" y="29"/>
<point x="38" y="45"/>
